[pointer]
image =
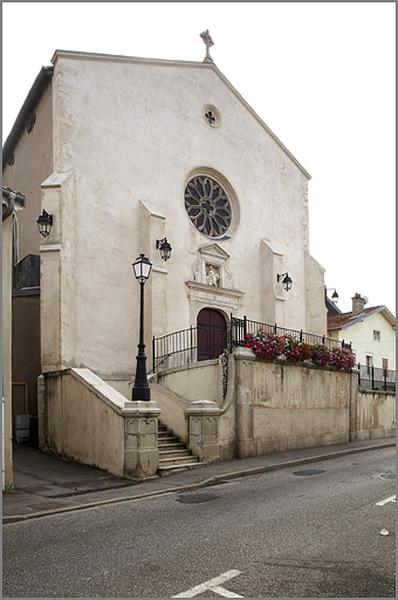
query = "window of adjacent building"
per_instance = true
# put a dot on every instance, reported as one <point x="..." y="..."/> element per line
<point x="369" y="362"/>
<point x="384" y="363"/>
<point x="376" y="335"/>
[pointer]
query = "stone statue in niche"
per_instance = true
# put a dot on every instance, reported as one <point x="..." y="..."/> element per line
<point x="212" y="275"/>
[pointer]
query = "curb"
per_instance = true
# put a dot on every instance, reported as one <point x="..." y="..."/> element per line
<point x="216" y="480"/>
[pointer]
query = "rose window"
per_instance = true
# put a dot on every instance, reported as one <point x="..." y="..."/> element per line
<point x="208" y="206"/>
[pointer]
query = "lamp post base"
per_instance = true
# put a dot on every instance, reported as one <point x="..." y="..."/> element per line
<point x="141" y="393"/>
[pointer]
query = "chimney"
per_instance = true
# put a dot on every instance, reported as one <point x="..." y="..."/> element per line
<point x="358" y="303"/>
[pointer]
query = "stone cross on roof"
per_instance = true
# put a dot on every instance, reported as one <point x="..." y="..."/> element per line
<point x="205" y="35"/>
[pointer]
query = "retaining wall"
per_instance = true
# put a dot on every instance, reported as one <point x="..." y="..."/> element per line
<point x="375" y="415"/>
<point x="272" y="406"/>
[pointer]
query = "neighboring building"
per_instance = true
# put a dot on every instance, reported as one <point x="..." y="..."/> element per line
<point x="11" y="202"/>
<point x="125" y="151"/>
<point x="370" y="330"/>
<point x="27" y="162"/>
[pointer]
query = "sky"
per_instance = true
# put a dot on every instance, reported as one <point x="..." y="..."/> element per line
<point x="321" y="76"/>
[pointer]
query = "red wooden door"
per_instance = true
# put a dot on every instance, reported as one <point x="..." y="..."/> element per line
<point x="212" y="334"/>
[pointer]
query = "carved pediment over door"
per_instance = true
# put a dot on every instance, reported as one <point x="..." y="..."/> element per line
<point x="211" y="267"/>
<point x="212" y="282"/>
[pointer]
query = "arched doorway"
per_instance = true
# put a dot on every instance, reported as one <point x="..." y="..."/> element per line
<point x="212" y="334"/>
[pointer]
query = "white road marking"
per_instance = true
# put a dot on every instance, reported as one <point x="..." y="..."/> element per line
<point x="213" y="585"/>
<point x="224" y="593"/>
<point x="386" y="500"/>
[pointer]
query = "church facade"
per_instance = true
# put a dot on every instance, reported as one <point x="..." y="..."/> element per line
<point x="125" y="152"/>
<point x="150" y="149"/>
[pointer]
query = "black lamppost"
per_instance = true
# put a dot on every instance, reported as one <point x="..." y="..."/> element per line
<point x="142" y="270"/>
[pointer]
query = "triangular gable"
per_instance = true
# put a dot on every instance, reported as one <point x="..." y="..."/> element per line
<point x="182" y="63"/>
<point x="214" y="250"/>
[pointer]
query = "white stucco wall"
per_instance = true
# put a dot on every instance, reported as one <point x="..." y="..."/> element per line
<point x="130" y="133"/>
<point x="196" y="382"/>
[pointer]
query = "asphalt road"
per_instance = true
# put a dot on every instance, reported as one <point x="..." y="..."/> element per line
<point x="277" y="534"/>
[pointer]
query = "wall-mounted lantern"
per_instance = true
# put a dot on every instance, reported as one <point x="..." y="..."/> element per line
<point x="164" y="248"/>
<point x="285" y="280"/>
<point x="44" y="223"/>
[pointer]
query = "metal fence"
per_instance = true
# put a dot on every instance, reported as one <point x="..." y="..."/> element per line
<point x="240" y="327"/>
<point x="376" y="378"/>
<point x="180" y="348"/>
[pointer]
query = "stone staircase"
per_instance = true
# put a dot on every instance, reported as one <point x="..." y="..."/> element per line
<point x="174" y="456"/>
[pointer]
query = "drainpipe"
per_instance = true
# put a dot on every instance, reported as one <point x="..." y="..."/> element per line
<point x="10" y="207"/>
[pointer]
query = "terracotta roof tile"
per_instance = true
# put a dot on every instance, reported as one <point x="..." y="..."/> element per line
<point x="339" y="321"/>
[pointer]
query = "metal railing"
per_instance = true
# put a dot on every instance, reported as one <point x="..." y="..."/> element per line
<point x="376" y="378"/>
<point x="176" y="349"/>
<point x="180" y="348"/>
<point x="240" y="327"/>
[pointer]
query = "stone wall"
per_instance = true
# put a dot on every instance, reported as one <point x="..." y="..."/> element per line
<point x="269" y="406"/>
<point x="273" y="406"/>
<point x="83" y="418"/>
<point x="194" y="382"/>
<point x="375" y="415"/>
<point x="276" y="406"/>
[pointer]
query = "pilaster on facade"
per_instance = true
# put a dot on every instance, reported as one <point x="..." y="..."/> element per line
<point x="58" y="274"/>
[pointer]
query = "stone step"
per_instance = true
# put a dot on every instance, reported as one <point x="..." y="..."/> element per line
<point x="171" y="445"/>
<point x="166" y="470"/>
<point x="174" y="456"/>
<point x="168" y="438"/>
<point x="177" y="460"/>
<point x="177" y="452"/>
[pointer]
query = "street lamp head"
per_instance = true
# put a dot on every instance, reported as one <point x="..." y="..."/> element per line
<point x="286" y="281"/>
<point x="44" y="223"/>
<point x="164" y="248"/>
<point x="142" y="268"/>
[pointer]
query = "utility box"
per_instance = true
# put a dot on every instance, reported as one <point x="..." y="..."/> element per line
<point x="22" y="428"/>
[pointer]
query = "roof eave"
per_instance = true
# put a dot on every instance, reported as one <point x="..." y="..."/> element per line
<point x="361" y="317"/>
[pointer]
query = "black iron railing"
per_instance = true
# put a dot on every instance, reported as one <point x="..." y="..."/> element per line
<point x="176" y="349"/>
<point x="180" y="348"/>
<point x="376" y="378"/>
<point x="240" y="327"/>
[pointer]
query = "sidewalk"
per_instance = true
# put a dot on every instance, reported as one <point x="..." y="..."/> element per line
<point x="45" y="485"/>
